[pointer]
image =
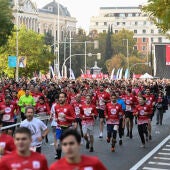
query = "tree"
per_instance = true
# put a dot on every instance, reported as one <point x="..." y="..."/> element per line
<point x="108" y="49"/>
<point x="120" y="45"/>
<point x="32" y="45"/>
<point x="5" y="21"/>
<point x="159" y="12"/>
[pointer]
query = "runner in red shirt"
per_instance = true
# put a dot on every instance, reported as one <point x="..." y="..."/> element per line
<point x="36" y="94"/>
<point x="73" y="160"/>
<point x="130" y="102"/>
<point x="142" y="111"/>
<point x="88" y="115"/>
<point x="65" y="116"/>
<point x="8" y="111"/>
<point x="77" y="105"/>
<point x="34" y="160"/>
<point x="102" y="99"/>
<point x="112" y="114"/>
<point x="150" y="101"/>
<point x="6" y="143"/>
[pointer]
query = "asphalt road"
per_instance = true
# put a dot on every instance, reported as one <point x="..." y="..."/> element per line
<point x="126" y="155"/>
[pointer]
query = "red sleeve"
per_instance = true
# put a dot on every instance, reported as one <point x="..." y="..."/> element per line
<point x="106" y="111"/>
<point x="72" y="115"/>
<point x="95" y="111"/>
<point x="11" y="146"/>
<point x="100" y="166"/>
<point x="44" y="163"/>
<point x="3" y="165"/>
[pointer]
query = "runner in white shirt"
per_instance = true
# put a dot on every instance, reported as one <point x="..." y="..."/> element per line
<point x="38" y="129"/>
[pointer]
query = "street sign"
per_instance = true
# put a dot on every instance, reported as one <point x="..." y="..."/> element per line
<point x="12" y="61"/>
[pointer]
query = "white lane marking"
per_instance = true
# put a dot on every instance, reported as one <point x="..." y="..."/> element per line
<point x="148" y="168"/>
<point x="144" y="159"/>
<point x="165" y="149"/>
<point x="159" y="163"/>
<point x="162" y="153"/>
<point x="167" y="145"/>
<point x="161" y="158"/>
<point x="52" y="144"/>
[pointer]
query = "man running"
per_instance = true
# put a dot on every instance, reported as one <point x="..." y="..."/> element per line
<point x="102" y="99"/>
<point x="38" y="129"/>
<point x="23" y="158"/>
<point x="65" y="116"/>
<point x="88" y="115"/>
<point x="113" y="112"/>
<point x="71" y="144"/>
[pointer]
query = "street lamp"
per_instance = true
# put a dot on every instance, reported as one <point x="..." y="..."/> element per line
<point x="127" y="47"/>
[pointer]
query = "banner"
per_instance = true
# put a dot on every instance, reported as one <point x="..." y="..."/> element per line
<point x="168" y="55"/>
<point x="22" y="61"/>
<point x="112" y="74"/>
<point x="12" y="61"/>
<point x="117" y="75"/>
<point x="120" y="74"/>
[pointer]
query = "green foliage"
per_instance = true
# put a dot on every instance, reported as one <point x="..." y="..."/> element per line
<point x="31" y="45"/>
<point x="6" y="24"/>
<point x="159" y="12"/>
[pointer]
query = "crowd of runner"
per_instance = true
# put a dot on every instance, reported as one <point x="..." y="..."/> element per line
<point x="72" y="107"/>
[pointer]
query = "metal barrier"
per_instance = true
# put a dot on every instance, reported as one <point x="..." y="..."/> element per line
<point x="17" y="124"/>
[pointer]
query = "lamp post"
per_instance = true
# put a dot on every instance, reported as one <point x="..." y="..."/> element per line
<point x="127" y="48"/>
<point x="58" y="40"/>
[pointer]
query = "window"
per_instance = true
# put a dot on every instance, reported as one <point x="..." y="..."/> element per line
<point x="144" y="31"/>
<point x="135" y="39"/>
<point x="123" y="23"/>
<point x="144" y="23"/>
<point x="159" y="31"/>
<point x="143" y="39"/>
<point x="50" y="8"/>
<point x="134" y="14"/>
<point x="130" y="15"/>
<point x="135" y="31"/>
<point x="151" y="39"/>
<point x="116" y="31"/>
<point x="122" y="15"/>
<point x="105" y="23"/>
<point x="104" y="31"/>
<point x="160" y="39"/>
<point x="135" y="47"/>
<point x="118" y="23"/>
<point x="152" y="31"/>
<point x="136" y="23"/>
<point x="144" y="48"/>
<point x="97" y="23"/>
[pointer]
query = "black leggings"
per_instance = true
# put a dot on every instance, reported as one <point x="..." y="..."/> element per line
<point x="143" y="129"/>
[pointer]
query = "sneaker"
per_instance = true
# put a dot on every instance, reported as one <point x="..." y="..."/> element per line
<point x="150" y="137"/>
<point x="108" y="140"/>
<point x="87" y="145"/>
<point x="100" y="137"/>
<point x="91" y="149"/>
<point x="120" y="142"/>
<point x="112" y="149"/>
<point x="142" y="146"/>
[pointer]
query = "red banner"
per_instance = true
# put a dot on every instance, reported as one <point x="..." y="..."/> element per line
<point x="94" y="76"/>
<point x="168" y="55"/>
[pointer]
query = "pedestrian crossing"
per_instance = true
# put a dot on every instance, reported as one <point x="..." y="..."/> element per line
<point x="157" y="159"/>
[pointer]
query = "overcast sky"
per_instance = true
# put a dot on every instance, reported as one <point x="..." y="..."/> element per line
<point x="84" y="9"/>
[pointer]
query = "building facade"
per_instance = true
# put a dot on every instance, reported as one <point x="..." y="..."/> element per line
<point x="45" y="19"/>
<point x="129" y="18"/>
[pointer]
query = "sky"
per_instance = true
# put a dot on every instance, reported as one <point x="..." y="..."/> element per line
<point x="83" y="10"/>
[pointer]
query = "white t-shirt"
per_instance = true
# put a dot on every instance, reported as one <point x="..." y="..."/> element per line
<point x="36" y="127"/>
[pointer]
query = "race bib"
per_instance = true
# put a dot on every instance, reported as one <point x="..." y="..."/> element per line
<point x="6" y="117"/>
<point x="142" y="112"/>
<point x="87" y="111"/>
<point x="101" y="102"/>
<point x="61" y="116"/>
<point x="128" y="108"/>
<point x="77" y="110"/>
<point x="113" y="111"/>
<point x="148" y="102"/>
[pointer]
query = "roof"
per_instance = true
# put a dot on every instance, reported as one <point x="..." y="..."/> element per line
<point x="52" y="8"/>
<point x="120" y="7"/>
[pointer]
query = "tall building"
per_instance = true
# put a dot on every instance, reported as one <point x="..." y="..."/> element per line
<point x="45" y="19"/>
<point x="130" y="18"/>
